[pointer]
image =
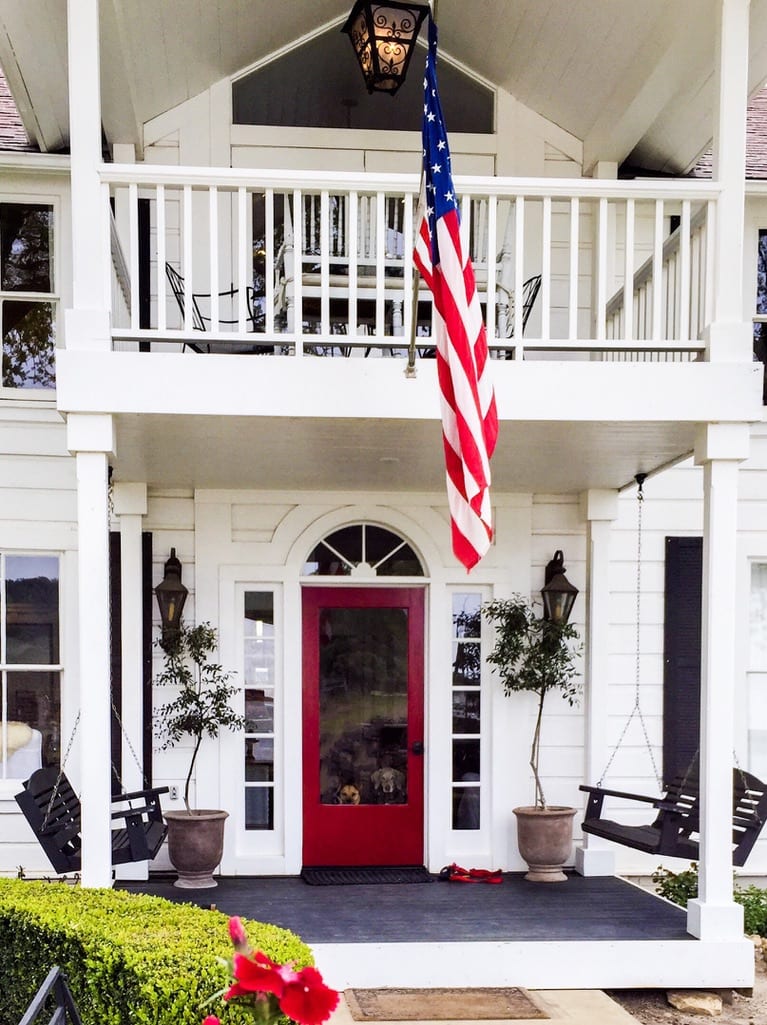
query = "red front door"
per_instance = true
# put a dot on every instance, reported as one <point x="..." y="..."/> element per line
<point x="363" y="726"/>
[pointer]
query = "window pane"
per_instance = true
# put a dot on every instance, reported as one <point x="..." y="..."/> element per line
<point x="467" y="615"/>
<point x="465" y="761"/>
<point x="258" y="629"/>
<point x="466" y="807"/>
<point x="29" y="345"/>
<point x="259" y="808"/>
<point x="467" y="663"/>
<point x="33" y="701"/>
<point x="259" y="711"/>
<point x="466" y="712"/>
<point x="26" y="247"/>
<point x="259" y="760"/>
<point x="32" y="610"/>
<point x="757" y="618"/>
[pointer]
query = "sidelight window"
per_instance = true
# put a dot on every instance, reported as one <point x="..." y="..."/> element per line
<point x="466" y="736"/>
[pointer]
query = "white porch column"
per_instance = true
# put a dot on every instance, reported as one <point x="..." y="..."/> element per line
<point x="91" y="439"/>
<point x="729" y="337"/>
<point x="595" y="857"/>
<point x="130" y="505"/>
<point x="720" y="448"/>
<point x="87" y="324"/>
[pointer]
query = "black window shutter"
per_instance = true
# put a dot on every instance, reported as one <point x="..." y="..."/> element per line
<point x="115" y="655"/>
<point x="681" y="654"/>
<point x="115" y="580"/>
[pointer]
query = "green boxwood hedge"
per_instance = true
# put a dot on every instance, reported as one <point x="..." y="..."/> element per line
<point x="130" y="959"/>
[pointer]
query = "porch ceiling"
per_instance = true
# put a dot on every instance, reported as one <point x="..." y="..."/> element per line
<point x="300" y="454"/>
<point x="626" y="78"/>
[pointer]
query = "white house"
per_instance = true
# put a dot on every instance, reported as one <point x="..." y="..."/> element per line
<point x="205" y="267"/>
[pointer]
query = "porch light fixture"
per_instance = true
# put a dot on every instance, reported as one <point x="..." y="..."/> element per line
<point x="557" y="592"/>
<point x="383" y="36"/>
<point x="171" y="595"/>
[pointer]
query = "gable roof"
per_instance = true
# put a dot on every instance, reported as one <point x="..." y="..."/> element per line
<point x="630" y="80"/>
<point x="756" y="142"/>
<point x="12" y="133"/>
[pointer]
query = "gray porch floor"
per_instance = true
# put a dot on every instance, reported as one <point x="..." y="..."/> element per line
<point x="593" y="908"/>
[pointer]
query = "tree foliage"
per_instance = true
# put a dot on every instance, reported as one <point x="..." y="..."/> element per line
<point x="536" y="655"/>
<point x="202" y="706"/>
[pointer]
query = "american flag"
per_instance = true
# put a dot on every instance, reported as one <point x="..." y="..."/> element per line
<point x="469" y="417"/>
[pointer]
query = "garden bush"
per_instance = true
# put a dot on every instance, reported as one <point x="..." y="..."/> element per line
<point x="680" y="887"/>
<point x="129" y="958"/>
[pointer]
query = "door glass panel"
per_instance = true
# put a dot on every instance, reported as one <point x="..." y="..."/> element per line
<point x="363" y="657"/>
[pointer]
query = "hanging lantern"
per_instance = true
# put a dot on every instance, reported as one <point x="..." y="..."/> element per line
<point x="557" y="592"/>
<point x="383" y="36"/>
<point x="171" y="595"/>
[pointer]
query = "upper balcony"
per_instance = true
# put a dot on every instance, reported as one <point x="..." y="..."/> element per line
<point x="230" y="261"/>
<point x="288" y="298"/>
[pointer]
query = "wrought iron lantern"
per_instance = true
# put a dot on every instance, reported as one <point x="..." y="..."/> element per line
<point x="383" y="36"/>
<point x="171" y="596"/>
<point x="557" y="592"/>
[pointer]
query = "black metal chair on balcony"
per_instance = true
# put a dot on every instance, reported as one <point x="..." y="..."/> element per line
<point x="506" y="326"/>
<point x="201" y="322"/>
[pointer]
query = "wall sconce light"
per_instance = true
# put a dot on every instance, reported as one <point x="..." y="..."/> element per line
<point x="171" y="596"/>
<point x="557" y="592"/>
<point x="383" y="36"/>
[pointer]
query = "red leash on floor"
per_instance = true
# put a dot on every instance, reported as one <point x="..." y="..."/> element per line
<point x="455" y="874"/>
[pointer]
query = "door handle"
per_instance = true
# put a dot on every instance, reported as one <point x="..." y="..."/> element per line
<point x="417" y="748"/>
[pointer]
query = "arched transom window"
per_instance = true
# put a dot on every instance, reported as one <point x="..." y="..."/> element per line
<point x="363" y="550"/>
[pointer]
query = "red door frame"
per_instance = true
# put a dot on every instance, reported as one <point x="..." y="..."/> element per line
<point x="337" y="834"/>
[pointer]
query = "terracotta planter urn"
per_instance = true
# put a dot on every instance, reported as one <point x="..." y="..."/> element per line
<point x="545" y="840"/>
<point x="195" y="846"/>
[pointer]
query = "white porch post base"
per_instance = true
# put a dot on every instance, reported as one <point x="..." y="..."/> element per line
<point x="715" y="921"/>
<point x="594" y="861"/>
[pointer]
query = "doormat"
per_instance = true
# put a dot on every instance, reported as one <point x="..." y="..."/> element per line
<point x="370" y="875"/>
<point x="441" y="1004"/>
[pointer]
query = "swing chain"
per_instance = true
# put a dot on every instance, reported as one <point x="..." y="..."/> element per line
<point x="126" y="737"/>
<point x="637" y="708"/>
<point x="62" y="765"/>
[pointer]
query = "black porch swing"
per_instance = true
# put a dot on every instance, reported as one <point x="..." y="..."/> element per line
<point x="52" y="808"/>
<point x="674" y="830"/>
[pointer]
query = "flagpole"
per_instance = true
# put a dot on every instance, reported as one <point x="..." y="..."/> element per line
<point x="410" y="370"/>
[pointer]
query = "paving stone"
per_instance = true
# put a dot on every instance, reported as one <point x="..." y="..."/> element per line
<point x="693" y="1002"/>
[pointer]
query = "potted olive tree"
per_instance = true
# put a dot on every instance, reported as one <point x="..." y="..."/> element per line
<point x="201" y="708"/>
<point x="537" y="655"/>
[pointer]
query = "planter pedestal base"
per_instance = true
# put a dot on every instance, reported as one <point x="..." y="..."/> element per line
<point x="195" y="846"/>
<point x="545" y="840"/>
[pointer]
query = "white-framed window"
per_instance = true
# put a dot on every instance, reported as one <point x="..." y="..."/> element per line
<point x="259" y="682"/>
<point x="28" y="302"/>
<point x="30" y="664"/>
<point x="466" y="715"/>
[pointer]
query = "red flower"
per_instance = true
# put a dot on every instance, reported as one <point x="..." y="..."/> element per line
<point x="308" y="1000"/>
<point x="255" y="974"/>
<point x="237" y="934"/>
<point x="211" y="1020"/>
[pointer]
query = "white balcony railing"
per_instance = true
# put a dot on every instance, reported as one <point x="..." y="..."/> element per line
<point x="321" y="264"/>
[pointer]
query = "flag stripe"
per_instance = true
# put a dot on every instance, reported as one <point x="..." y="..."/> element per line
<point x="469" y="417"/>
